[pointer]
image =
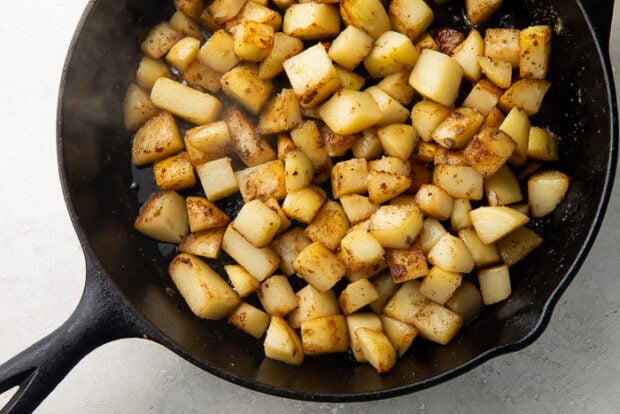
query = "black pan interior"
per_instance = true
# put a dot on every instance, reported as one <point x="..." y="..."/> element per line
<point x="104" y="194"/>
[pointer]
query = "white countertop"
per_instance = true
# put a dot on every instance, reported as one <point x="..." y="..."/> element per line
<point x="574" y="367"/>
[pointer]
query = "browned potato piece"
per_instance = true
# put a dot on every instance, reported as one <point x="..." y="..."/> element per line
<point x="248" y="144"/>
<point x="224" y="10"/>
<point x="534" y="51"/>
<point x="217" y="178"/>
<point x="526" y="95"/>
<point x="200" y="76"/>
<point x="458" y="128"/>
<point x="282" y="342"/>
<point x="304" y="204"/>
<point x="183" y="53"/>
<point x="204" y="215"/>
<point x="253" y="11"/>
<point x="157" y="139"/>
<point x="325" y="335"/>
<point x="163" y="217"/>
<point x="262" y="181"/>
<point x="517" y="245"/>
<point x="249" y="319"/>
<point x="410" y="17"/>
<point x="276" y="295"/>
<point x="407" y="264"/>
<point x="160" y="39"/>
<point x="546" y="189"/>
<point x="137" y="107"/>
<point x="356" y="295"/>
<point x="502" y="44"/>
<point x="186" y="25"/>
<point x="329" y="225"/>
<point x="193" y="8"/>
<point x="149" y="70"/>
<point x="396" y="226"/>
<point x="217" y="52"/>
<point x="308" y="138"/>
<point x="311" y="21"/>
<point x="383" y="186"/>
<point x="318" y="266"/>
<point x="406" y="302"/>
<point x="288" y="245"/>
<point x="478" y="11"/>
<point x="205" y="243"/>
<point x="337" y="145"/>
<point x="494" y="284"/>
<point x="437" y="76"/>
<point x="280" y="114"/>
<point x="260" y="262"/>
<point x="489" y="150"/>
<point x="359" y="250"/>
<point x="284" y="47"/>
<point x="493" y="223"/>
<point x="350" y="47"/>
<point x="437" y="323"/>
<point x="257" y="222"/>
<point x="439" y="285"/>
<point x="252" y="41"/>
<point x="313" y="304"/>
<point x="243" y="85"/>
<point x="368" y="15"/>
<point x="175" y="172"/>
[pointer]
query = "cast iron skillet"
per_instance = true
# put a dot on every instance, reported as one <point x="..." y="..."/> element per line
<point x="126" y="293"/>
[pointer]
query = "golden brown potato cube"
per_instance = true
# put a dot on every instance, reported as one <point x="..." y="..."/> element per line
<point x="542" y="145"/>
<point x="163" y="217"/>
<point x="350" y="47"/>
<point x="200" y="76"/>
<point x="357" y="207"/>
<point x="489" y="150"/>
<point x="434" y="201"/>
<point x="391" y="52"/>
<point x="368" y="15"/>
<point x="502" y="44"/>
<point x="426" y="115"/>
<point x="359" y="250"/>
<point x="406" y="302"/>
<point x="451" y="254"/>
<point x="398" y="140"/>
<point x="282" y="342"/>
<point x="308" y="138"/>
<point x="204" y="215"/>
<point x="400" y="334"/>
<point x="546" y="189"/>
<point x="243" y="282"/>
<point x="288" y="245"/>
<point x="217" y="52"/>
<point x="175" y="172"/>
<point x="249" y="319"/>
<point x="384" y="186"/>
<point x="526" y="95"/>
<point x="493" y="223"/>
<point x="337" y="145"/>
<point x="160" y="39"/>
<point x="313" y="304"/>
<point x="458" y="128"/>
<point x="391" y="111"/>
<point x="157" y="139"/>
<point x="196" y="157"/>
<point x="137" y="107"/>
<point x="460" y="181"/>
<point x="212" y="139"/>
<point x="224" y="10"/>
<point x="397" y="86"/>
<point x="437" y="323"/>
<point x="205" y="243"/>
<point x="183" y="52"/>
<point x="497" y="71"/>
<point x="459" y="219"/>
<point x="466" y="301"/>
<point x="407" y="264"/>
<point x="361" y="320"/>
<point x="483" y="254"/>
<point x="187" y="103"/>
<point x="284" y="47"/>
<point x="439" y="285"/>
<point x="517" y="245"/>
<point x="478" y="11"/>
<point x="206" y="293"/>
<point x="502" y="188"/>
<point x="312" y="86"/>
<point x="368" y="146"/>
<point x="311" y="21"/>
<point x="217" y="178"/>
<point x="253" y="11"/>
<point x="243" y="85"/>
<point x="304" y="204"/>
<point x="494" y="118"/>
<point x="437" y="77"/>
<point x="356" y="295"/>
<point x="483" y="97"/>
<point x="186" y="25"/>
<point x="325" y="335"/>
<point x="252" y="41"/>
<point x="392" y="165"/>
<point x="467" y="54"/>
<point x="257" y="223"/>
<point x="247" y="142"/>
<point x="284" y="144"/>
<point x="494" y="284"/>
<point x="349" y="177"/>
<point x="192" y="8"/>
<point x="262" y="181"/>
<point x="280" y="114"/>
<point x="517" y="125"/>
<point x="410" y="17"/>
<point x="349" y="112"/>
<point x="450" y="157"/>
<point x="329" y="225"/>
<point x="318" y="266"/>
<point x="366" y="272"/>
<point x="534" y="51"/>
<point x="276" y="295"/>
<point x="396" y="226"/>
<point x="377" y="349"/>
<point x="298" y="170"/>
<point x="260" y="262"/>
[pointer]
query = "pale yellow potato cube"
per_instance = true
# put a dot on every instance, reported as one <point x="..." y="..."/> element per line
<point x="163" y="217"/>
<point x="396" y="226"/>
<point x="426" y="115"/>
<point x="546" y="189"/>
<point x="307" y="137"/>
<point x="437" y="76"/>
<point x="350" y="47"/>
<point x="483" y="254"/>
<point x="303" y="204"/>
<point x="276" y="295"/>
<point x="526" y="95"/>
<point x="160" y="39"/>
<point x="243" y="85"/>
<point x="137" y="107"/>
<point x="385" y="287"/>
<point x="200" y="76"/>
<point x="282" y="342"/>
<point x="217" y="178"/>
<point x="437" y="323"/>
<point x="459" y="219"/>
<point x="517" y="245"/>
<point x="458" y="128"/>
<point x="357" y="207"/>
<point x="312" y="86"/>
<point x="318" y="266"/>
<point x="185" y="102"/>
<point x="366" y="272"/>
<point x="249" y="319"/>
<point x="252" y="41"/>
<point x="467" y="54"/>
<point x="503" y="188"/>
<point x="439" y="285"/>
<point x="313" y="304"/>
<point x="497" y="71"/>
<point x="542" y="145"/>
<point x="224" y="10"/>
<point x="349" y="177"/>
<point x="248" y="144"/>
<point x="534" y="51"/>
<point x="359" y="249"/>
<point x="489" y="150"/>
<point x="329" y="225"/>
<point x="368" y="146"/>
<point x="325" y="335"/>
<point x="157" y="139"/>
<point x="425" y="41"/>
<point x="337" y="145"/>
<point x="391" y="52"/>
<point x="392" y="112"/>
<point x="280" y="114"/>
<point x="243" y="282"/>
<point x="260" y="262"/>
<point x="298" y="170"/>
<point x="205" y="243"/>
<point x="466" y="301"/>
<point x="400" y="334"/>
<point x="253" y="11"/>
<point x="204" y="215"/>
<point x="368" y="15"/>
<point x="349" y="79"/>
<point x="434" y="201"/>
<point x="397" y="86"/>
<point x="406" y="302"/>
<point x="384" y="186"/>
<point x="263" y="181"/>
<point x="175" y="172"/>
<point x="377" y="349"/>
<point x="217" y="52"/>
<point x="493" y="223"/>
<point x="478" y="11"/>
<point x="183" y="52"/>
<point x="348" y="111"/>
<point x="288" y="245"/>
<point x="361" y="320"/>
<point x="311" y="21"/>
<point x="483" y="97"/>
<point x="451" y="254"/>
<point x="206" y="293"/>
<point x="410" y="17"/>
<point x="460" y="181"/>
<point x="389" y="164"/>
<point x="212" y="139"/>
<point x="257" y="222"/>
<point x="186" y="25"/>
<point x="502" y="44"/>
<point x="446" y="156"/>
<point x="407" y="264"/>
<point x="356" y="295"/>
<point x="517" y="125"/>
<point x="494" y="284"/>
<point x="192" y="8"/>
<point x="431" y="232"/>
<point x="284" y="47"/>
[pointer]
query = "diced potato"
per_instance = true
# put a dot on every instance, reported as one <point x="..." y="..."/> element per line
<point x="137" y="107"/>
<point x="157" y="139"/>
<point x="460" y="181"/>
<point x="466" y="301"/>
<point x="318" y="266"/>
<point x="385" y="287"/>
<point x="459" y="219"/>
<point x="304" y="204"/>
<point x="450" y="157"/>
<point x="494" y="118"/>
<point x="186" y="24"/>
<point x="437" y="76"/>
<point x="325" y="335"/>
<point x="407" y="264"/>
<point x="426" y="115"/>
<point x="259" y="262"/>
<point x="248" y="144"/>
<point x="329" y="225"/>
<point x="502" y="188"/>
<point x="243" y="282"/>
<point x="200" y="76"/>
<point x="458" y="128"/>
<point x="392" y="165"/>
<point x="276" y="295"/>
<point x="397" y="86"/>
<point x="366" y="272"/>
<point x="377" y="349"/>
<point x="217" y="52"/>
<point x="483" y="97"/>
<point x="431" y="232"/>
<point x="298" y="170"/>
<point x="206" y="293"/>
<point x="356" y="295"/>
<point x="257" y="223"/>
<point x="313" y="304"/>
<point x="282" y="342"/>
<point x="368" y="15"/>
<point x="208" y="22"/>
<point x="174" y="173"/>
<point x="483" y="254"/>
<point x="384" y="186"/>
<point x="494" y="284"/>
<point x="517" y="125"/>
<point x="425" y="41"/>
<point x="357" y="207"/>
<point x="392" y="112"/>
<point x="280" y="114"/>
<point x="224" y="10"/>
<point x="478" y="11"/>
<point x="439" y="285"/>
<point x="391" y="52"/>
<point x="196" y="156"/>
<point x="252" y="41"/>
<point x="243" y="85"/>
<point x="406" y="302"/>
<point x="308" y="138"/>
<point x="517" y="245"/>
<point x="434" y="201"/>
<point x="250" y="319"/>
<point x="183" y="52"/>
<point x="534" y="51"/>
<point x="217" y="178"/>
<point x="274" y="205"/>
<point x="349" y="79"/>
<point x="284" y="47"/>
<point x="349" y="111"/>
<point x="497" y="71"/>
<point x="192" y="8"/>
<point x="410" y="17"/>
<point x="493" y="223"/>
<point x="204" y="215"/>
<point x="312" y="86"/>
<point x="288" y="245"/>
<point x="400" y="334"/>
<point x="451" y="254"/>
<point x="437" y="323"/>
<point x="205" y="243"/>
<point x="526" y="95"/>
<point x="160" y="39"/>
<point x="368" y="146"/>
<point x="212" y="139"/>
<point x="467" y="54"/>
<point x="361" y="320"/>
<point x="350" y="47"/>
<point x="337" y="145"/>
<point x="396" y="226"/>
<point x="359" y="249"/>
<point x="349" y="177"/>
<point x="262" y="181"/>
<point x="489" y="150"/>
<point x="502" y="44"/>
<point x="311" y="21"/>
<point x="546" y="189"/>
<point x="163" y="217"/>
<point x="542" y="145"/>
<point x="185" y="102"/>
<point x="253" y="11"/>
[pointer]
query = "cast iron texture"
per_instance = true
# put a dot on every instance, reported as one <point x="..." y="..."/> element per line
<point x="128" y="292"/>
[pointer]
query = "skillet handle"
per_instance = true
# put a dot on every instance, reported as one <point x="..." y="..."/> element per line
<point x="101" y="316"/>
<point x="600" y="14"/>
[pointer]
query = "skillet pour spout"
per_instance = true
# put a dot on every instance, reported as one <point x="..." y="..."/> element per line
<point x="126" y="288"/>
